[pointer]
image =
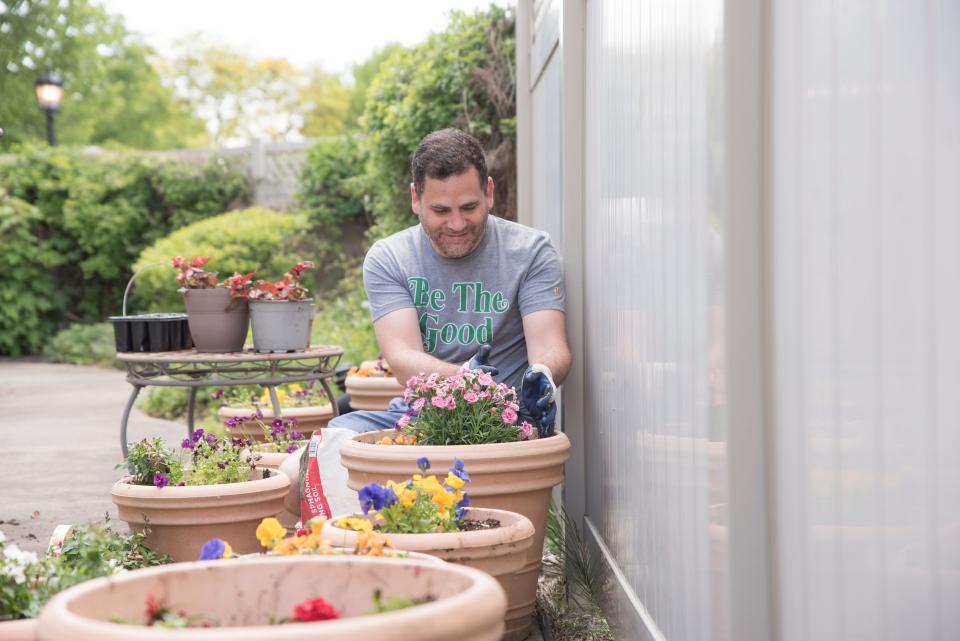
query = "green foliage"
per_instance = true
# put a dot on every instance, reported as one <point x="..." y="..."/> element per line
<point x="90" y="550"/>
<point x="97" y="212"/>
<point x="254" y="239"/>
<point x="330" y="188"/>
<point x="363" y="75"/>
<point x="113" y="95"/>
<point x="29" y="301"/>
<point x="84" y="344"/>
<point x="166" y="402"/>
<point x="462" y="77"/>
<point x="148" y="459"/>
<point x="344" y="319"/>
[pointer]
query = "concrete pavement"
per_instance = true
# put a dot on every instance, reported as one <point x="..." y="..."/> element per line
<point x="59" y="443"/>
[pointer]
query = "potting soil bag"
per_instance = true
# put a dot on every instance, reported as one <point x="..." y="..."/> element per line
<point x="323" y="479"/>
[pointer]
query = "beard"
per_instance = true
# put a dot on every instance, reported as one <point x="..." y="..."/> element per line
<point x="460" y="245"/>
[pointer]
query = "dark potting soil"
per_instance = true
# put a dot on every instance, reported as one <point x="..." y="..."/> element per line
<point x="487" y="524"/>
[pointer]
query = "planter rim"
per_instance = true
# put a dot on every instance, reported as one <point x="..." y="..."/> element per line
<point x="260" y="301"/>
<point x="360" y="446"/>
<point x="472" y="597"/>
<point x="514" y="527"/>
<point x="369" y="381"/>
<point x="129" y="494"/>
<point x="285" y="412"/>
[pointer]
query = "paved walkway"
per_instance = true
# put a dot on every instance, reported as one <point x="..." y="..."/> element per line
<point x="59" y="443"/>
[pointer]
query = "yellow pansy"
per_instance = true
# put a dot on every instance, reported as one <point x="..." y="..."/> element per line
<point x="354" y="523"/>
<point x="443" y="500"/>
<point x="282" y="397"/>
<point x="315" y="525"/>
<point x="270" y="531"/>
<point x="453" y="481"/>
<point x="294" y="388"/>
<point x="227" y="550"/>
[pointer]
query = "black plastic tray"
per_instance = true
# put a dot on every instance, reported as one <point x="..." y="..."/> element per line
<point x="151" y="333"/>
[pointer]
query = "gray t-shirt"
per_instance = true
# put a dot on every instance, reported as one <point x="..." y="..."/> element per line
<point x="463" y="302"/>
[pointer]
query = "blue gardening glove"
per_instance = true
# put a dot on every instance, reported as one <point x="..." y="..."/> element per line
<point x="537" y="405"/>
<point x="479" y="361"/>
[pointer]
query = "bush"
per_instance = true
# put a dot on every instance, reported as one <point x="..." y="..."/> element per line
<point x="97" y="213"/>
<point x="344" y="319"/>
<point x="330" y="187"/>
<point x="84" y="344"/>
<point x="462" y="77"/>
<point x="30" y="303"/>
<point x="166" y="402"/>
<point x="240" y="241"/>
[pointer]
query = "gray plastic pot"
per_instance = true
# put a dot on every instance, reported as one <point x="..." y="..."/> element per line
<point x="217" y="322"/>
<point x="281" y="325"/>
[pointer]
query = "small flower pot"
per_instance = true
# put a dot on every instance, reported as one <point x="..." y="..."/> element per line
<point x="182" y="519"/>
<point x="281" y="325"/>
<point x="514" y="476"/>
<point x="500" y="552"/>
<point x="21" y="630"/>
<point x="372" y="392"/>
<point x="218" y="323"/>
<point x="244" y="595"/>
<point x="310" y="418"/>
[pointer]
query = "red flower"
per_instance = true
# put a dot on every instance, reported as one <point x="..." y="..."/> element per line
<point x="316" y="609"/>
<point x="199" y="261"/>
<point x="155" y="609"/>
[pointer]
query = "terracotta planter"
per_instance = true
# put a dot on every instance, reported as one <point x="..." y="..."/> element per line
<point x="309" y="419"/>
<point x="20" y="630"/>
<point x="500" y="552"/>
<point x="515" y="476"/>
<point x="246" y="593"/>
<point x="182" y="519"/>
<point x="372" y="393"/>
<point x="217" y="322"/>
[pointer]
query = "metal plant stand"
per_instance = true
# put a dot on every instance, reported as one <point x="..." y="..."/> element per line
<point x="193" y="369"/>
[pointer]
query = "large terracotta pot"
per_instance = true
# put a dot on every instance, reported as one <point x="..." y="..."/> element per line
<point x="246" y="593"/>
<point x="515" y="476"/>
<point x="310" y="418"/>
<point x="500" y="552"/>
<point x="217" y="322"/>
<point x="21" y="630"/>
<point x="272" y="460"/>
<point x="371" y="392"/>
<point x="182" y="519"/>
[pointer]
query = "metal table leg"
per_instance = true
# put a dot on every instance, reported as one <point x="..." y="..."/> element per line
<point x="191" y="408"/>
<point x="274" y="400"/>
<point x="126" y="417"/>
<point x="329" y="391"/>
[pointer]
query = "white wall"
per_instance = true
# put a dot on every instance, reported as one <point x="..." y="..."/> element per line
<point x="864" y="224"/>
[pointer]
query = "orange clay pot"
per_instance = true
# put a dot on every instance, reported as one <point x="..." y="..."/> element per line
<point x="245" y="594"/>
<point x="500" y="552"/>
<point x="182" y="519"/>
<point x="514" y="476"/>
<point x="310" y="418"/>
<point x="372" y="392"/>
<point x="21" y="630"/>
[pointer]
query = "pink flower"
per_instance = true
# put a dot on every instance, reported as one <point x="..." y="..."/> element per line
<point x="439" y="401"/>
<point x="471" y="398"/>
<point x="451" y="403"/>
<point x="485" y="379"/>
<point x="403" y="422"/>
<point x="418" y="404"/>
<point x="529" y="433"/>
<point x="509" y="416"/>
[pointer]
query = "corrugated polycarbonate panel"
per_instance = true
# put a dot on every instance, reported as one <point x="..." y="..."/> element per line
<point x="654" y="349"/>
<point x="865" y="222"/>
<point x="547" y="153"/>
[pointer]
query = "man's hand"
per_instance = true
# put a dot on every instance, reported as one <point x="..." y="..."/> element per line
<point x="537" y="404"/>
<point x="480" y="361"/>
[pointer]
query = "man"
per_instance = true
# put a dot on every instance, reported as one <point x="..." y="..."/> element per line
<point x="466" y="289"/>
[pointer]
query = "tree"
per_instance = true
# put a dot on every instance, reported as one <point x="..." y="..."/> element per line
<point x="363" y="75"/>
<point x="114" y="95"/>
<point x="462" y="77"/>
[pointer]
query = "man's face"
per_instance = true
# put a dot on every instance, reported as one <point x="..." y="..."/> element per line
<point x="454" y="212"/>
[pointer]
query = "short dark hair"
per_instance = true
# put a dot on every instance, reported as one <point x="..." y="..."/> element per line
<point x="445" y="153"/>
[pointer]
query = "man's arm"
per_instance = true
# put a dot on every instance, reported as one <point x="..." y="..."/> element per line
<point x="398" y="334"/>
<point x="545" y="332"/>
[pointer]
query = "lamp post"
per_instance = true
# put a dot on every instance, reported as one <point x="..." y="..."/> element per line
<point x="49" y="88"/>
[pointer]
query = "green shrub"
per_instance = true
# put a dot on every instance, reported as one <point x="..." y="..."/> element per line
<point x="166" y="402"/>
<point x="240" y="241"/>
<point x="83" y="344"/>
<point x="330" y="183"/>
<point x="344" y="320"/>
<point x="97" y="213"/>
<point x="30" y="303"/>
